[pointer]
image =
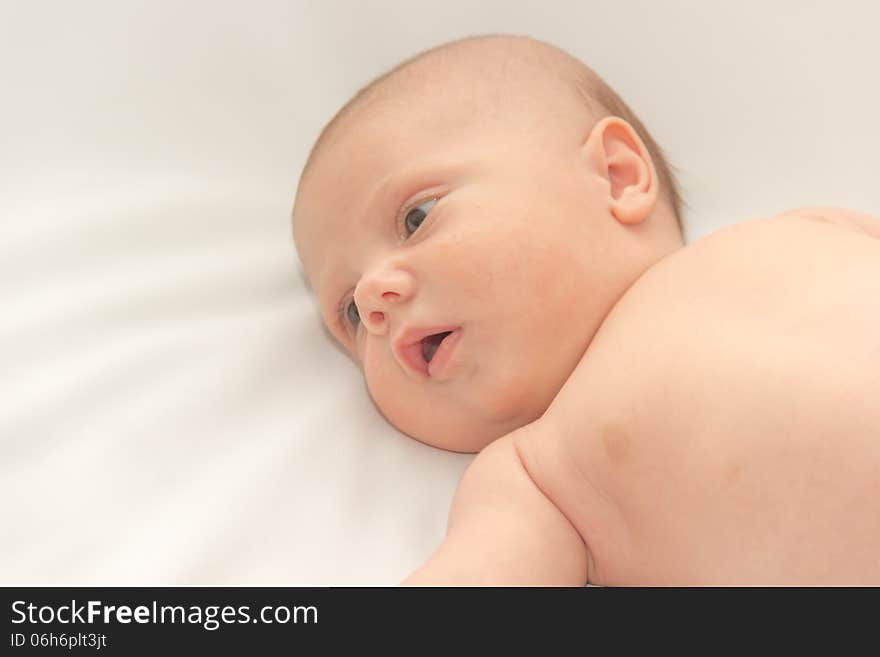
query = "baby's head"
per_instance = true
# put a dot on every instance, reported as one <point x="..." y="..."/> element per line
<point x="494" y="188"/>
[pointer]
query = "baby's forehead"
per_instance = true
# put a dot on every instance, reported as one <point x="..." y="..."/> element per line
<point x="406" y="115"/>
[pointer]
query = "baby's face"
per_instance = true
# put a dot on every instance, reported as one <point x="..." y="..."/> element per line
<point x="436" y="215"/>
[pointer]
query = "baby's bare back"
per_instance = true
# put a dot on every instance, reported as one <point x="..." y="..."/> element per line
<point x="724" y="425"/>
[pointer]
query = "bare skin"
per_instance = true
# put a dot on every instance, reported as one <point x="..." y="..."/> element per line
<point x="645" y="413"/>
<point x="722" y="428"/>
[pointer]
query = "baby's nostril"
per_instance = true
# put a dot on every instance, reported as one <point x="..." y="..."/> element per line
<point x="389" y="295"/>
<point x="377" y="317"/>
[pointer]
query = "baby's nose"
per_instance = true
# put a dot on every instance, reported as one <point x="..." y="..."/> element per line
<point x="378" y="316"/>
<point x="380" y="295"/>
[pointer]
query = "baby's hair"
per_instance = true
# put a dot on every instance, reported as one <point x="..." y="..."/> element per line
<point x="598" y="98"/>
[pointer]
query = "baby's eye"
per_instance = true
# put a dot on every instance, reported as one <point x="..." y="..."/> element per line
<point x="416" y="215"/>
<point x="351" y="311"/>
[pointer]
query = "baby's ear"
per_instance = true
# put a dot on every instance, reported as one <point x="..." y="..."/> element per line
<point x="618" y="156"/>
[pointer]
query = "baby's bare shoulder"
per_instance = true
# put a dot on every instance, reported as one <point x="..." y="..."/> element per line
<point x="746" y="290"/>
<point x="744" y="252"/>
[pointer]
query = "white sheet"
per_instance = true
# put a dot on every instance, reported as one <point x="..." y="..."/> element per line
<point x="170" y="410"/>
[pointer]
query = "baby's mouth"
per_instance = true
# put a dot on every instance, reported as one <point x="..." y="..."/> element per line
<point x="416" y="348"/>
<point x="430" y="344"/>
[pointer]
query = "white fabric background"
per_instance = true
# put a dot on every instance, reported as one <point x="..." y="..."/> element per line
<point x="170" y="410"/>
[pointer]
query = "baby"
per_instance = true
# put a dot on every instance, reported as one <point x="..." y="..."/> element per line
<point x="495" y="238"/>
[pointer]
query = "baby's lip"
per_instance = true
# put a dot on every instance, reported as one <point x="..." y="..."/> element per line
<point x="407" y="347"/>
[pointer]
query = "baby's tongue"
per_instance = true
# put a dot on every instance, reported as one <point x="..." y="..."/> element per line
<point x="430" y="344"/>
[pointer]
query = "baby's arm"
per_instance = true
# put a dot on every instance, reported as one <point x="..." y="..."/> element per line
<point x="839" y="216"/>
<point x="504" y="531"/>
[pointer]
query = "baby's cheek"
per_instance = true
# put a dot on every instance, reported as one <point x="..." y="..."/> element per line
<point x="388" y="392"/>
<point x="490" y="407"/>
